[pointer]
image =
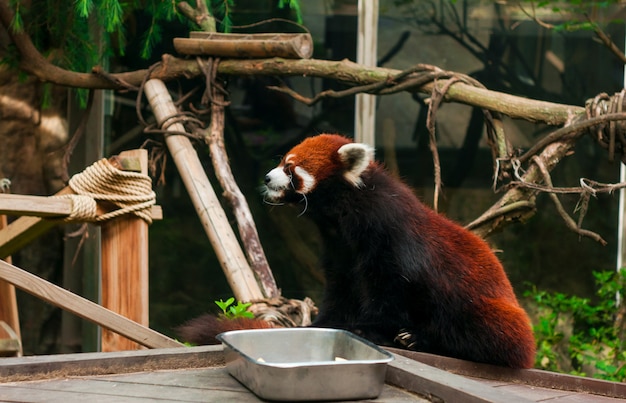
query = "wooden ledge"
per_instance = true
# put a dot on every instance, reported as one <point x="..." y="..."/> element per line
<point x="48" y="207"/>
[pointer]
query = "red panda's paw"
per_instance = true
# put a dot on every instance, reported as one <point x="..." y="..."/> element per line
<point x="406" y="340"/>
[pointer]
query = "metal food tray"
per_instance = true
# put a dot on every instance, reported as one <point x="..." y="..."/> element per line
<point x="296" y="364"/>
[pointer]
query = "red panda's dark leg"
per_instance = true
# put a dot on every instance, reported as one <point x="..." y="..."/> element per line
<point x="498" y="332"/>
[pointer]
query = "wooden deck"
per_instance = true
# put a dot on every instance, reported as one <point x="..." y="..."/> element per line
<point x="198" y="375"/>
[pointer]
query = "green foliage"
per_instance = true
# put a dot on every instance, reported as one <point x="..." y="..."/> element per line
<point x="594" y="347"/>
<point x="223" y="11"/>
<point x="68" y="31"/>
<point x="293" y="5"/>
<point x="574" y="12"/>
<point x="78" y="35"/>
<point x="231" y="311"/>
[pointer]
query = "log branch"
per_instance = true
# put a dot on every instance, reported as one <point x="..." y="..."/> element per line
<point x="214" y="138"/>
<point x="171" y="68"/>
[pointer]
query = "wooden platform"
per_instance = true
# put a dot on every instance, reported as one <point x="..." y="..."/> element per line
<point x="198" y="375"/>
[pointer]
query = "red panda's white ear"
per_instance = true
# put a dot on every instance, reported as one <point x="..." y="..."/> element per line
<point x="355" y="157"/>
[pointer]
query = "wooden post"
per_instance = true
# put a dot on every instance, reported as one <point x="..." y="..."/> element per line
<point x="213" y="218"/>
<point x="8" y="303"/>
<point x="125" y="269"/>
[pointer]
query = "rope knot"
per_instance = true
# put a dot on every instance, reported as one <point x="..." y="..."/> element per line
<point x="131" y="192"/>
<point x="84" y="208"/>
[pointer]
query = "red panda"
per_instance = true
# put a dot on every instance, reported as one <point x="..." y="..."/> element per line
<point x="398" y="273"/>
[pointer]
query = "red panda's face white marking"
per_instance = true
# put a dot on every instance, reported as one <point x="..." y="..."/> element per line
<point x="314" y="160"/>
<point x="284" y="178"/>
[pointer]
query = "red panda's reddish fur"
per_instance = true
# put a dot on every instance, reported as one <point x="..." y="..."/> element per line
<point x="205" y="328"/>
<point x="397" y="272"/>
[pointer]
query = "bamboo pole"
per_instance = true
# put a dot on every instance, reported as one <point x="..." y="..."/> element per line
<point x="212" y="216"/>
<point x="124" y="273"/>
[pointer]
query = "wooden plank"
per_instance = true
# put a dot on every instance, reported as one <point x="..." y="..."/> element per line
<point x="27" y="394"/>
<point x="24" y="230"/>
<point x="187" y="385"/>
<point x="82" y="307"/>
<point x="178" y="374"/>
<point x="433" y="382"/>
<point x="197" y="373"/>
<point x="40" y="206"/>
<point x="47" y="207"/>
<point x="531" y="377"/>
<point x="9" y="313"/>
<point x="121" y="362"/>
<point x="125" y="267"/>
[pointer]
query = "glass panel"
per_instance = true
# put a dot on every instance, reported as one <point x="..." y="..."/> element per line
<point x="490" y="41"/>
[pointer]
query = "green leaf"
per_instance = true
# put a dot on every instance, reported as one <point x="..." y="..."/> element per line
<point x="225" y="304"/>
<point x="84" y="7"/>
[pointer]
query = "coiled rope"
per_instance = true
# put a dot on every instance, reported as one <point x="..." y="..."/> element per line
<point x="130" y="191"/>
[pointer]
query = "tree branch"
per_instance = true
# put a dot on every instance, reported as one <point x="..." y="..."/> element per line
<point x="200" y="15"/>
<point x="607" y="41"/>
<point x="569" y="222"/>
<point x="32" y="62"/>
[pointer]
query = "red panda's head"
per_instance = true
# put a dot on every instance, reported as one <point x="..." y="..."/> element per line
<point x="315" y="160"/>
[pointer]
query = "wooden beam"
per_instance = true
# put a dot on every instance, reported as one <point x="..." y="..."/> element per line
<point x="22" y="205"/>
<point x="9" y="314"/>
<point x="48" y="207"/>
<point x="24" y="230"/>
<point x="430" y="381"/>
<point x="125" y="268"/>
<point x="532" y="377"/>
<point x="38" y="367"/>
<point x="83" y="308"/>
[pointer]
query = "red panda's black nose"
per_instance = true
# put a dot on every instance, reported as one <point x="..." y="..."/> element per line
<point x="267" y="179"/>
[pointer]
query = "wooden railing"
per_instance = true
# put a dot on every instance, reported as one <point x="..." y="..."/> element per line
<point x="124" y="310"/>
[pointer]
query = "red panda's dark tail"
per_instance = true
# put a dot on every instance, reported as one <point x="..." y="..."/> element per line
<point x="204" y="329"/>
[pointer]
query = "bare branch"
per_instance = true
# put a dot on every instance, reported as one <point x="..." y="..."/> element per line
<point x="569" y="222"/>
<point x="533" y="16"/>
<point x="200" y="15"/>
<point x="607" y="41"/>
<point x="574" y="130"/>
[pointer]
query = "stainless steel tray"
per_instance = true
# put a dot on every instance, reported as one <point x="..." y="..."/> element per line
<point x="297" y="364"/>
